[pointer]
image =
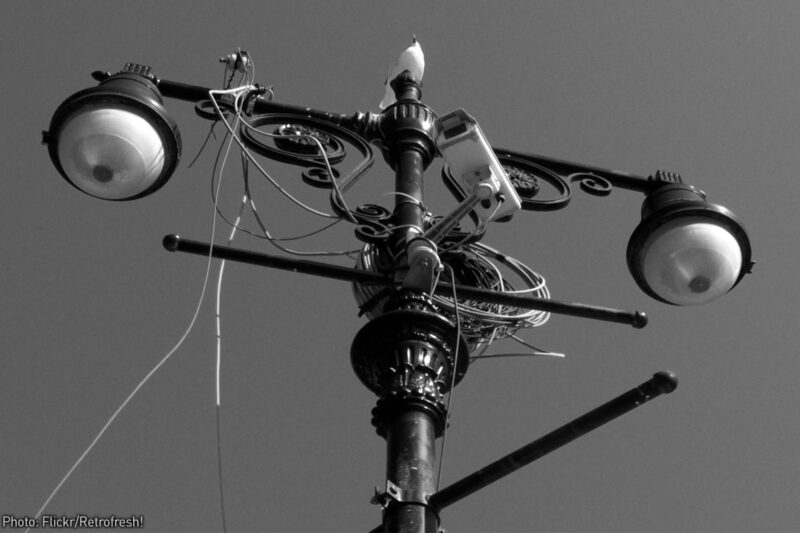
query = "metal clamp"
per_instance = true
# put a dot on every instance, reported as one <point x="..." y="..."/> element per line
<point x="393" y="493"/>
<point x="424" y="266"/>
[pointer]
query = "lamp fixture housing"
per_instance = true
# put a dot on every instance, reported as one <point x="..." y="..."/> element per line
<point x="115" y="141"/>
<point x="687" y="251"/>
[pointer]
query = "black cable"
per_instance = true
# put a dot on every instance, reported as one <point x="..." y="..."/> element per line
<point x="205" y="142"/>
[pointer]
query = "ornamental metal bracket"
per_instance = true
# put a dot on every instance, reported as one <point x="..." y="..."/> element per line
<point x="545" y="184"/>
<point x="297" y="139"/>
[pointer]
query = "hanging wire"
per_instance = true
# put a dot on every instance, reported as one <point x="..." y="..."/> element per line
<point x="513" y="354"/>
<point x="130" y="396"/>
<point x="452" y="380"/>
<point x="247" y="74"/>
<point x="274" y="242"/>
<point x="203" y="146"/>
<point x="323" y="153"/>
<point x="239" y="92"/>
<point x="251" y="65"/>
<point x="147" y="376"/>
<point x="245" y="163"/>
<point x="217" y="371"/>
<point x="244" y="149"/>
<point x="246" y="154"/>
<point x="304" y="235"/>
<point x="217" y="376"/>
<point x="219" y="282"/>
<point x="534" y="353"/>
<point x="477" y="265"/>
<point x="406" y="196"/>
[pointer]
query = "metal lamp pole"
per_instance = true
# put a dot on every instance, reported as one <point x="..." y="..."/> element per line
<point x="410" y="354"/>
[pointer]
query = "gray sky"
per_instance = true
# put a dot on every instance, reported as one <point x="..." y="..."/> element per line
<point x="91" y="301"/>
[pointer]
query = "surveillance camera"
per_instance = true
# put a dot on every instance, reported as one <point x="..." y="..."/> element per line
<point x="472" y="162"/>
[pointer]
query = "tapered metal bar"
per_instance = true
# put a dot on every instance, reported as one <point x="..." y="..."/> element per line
<point x="660" y="383"/>
<point x="175" y="243"/>
<point x="637" y="319"/>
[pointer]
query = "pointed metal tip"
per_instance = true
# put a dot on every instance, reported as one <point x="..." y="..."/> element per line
<point x="413" y="38"/>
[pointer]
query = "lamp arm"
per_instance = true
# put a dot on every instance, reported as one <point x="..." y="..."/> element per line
<point x="529" y="173"/>
<point x="359" y="123"/>
<point x="364" y="124"/>
<point x="589" y="175"/>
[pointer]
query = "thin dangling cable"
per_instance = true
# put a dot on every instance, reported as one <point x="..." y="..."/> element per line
<point x="452" y="378"/>
<point x="218" y="368"/>
<point x="144" y="380"/>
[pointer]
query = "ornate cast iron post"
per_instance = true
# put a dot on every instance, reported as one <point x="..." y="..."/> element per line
<point x="409" y="354"/>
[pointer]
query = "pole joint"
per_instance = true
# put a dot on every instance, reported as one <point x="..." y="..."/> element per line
<point x="406" y="356"/>
<point x="408" y="124"/>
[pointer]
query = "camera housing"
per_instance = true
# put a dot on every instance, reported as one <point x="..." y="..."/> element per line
<point x="471" y="161"/>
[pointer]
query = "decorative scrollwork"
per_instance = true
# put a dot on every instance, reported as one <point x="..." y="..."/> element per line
<point x="528" y="177"/>
<point x="593" y="184"/>
<point x="287" y="137"/>
<point x="527" y="170"/>
<point x="299" y="139"/>
<point x="372" y="212"/>
<point x="373" y="232"/>
<point x="526" y="184"/>
<point x="319" y="177"/>
<point x="374" y="223"/>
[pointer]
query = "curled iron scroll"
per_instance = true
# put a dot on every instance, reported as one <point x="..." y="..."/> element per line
<point x="528" y="179"/>
<point x="593" y="184"/>
<point x="286" y="137"/>
<point x="374" y="223"/>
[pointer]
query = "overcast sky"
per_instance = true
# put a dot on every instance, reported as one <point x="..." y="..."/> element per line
<point x="91" y="301"/>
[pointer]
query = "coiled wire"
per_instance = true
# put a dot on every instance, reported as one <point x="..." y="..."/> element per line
<point x="474" y="265"/>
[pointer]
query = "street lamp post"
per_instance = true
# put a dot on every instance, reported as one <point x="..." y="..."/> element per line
<point x="115" y="141"/>
<point x="408" y="354"/>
